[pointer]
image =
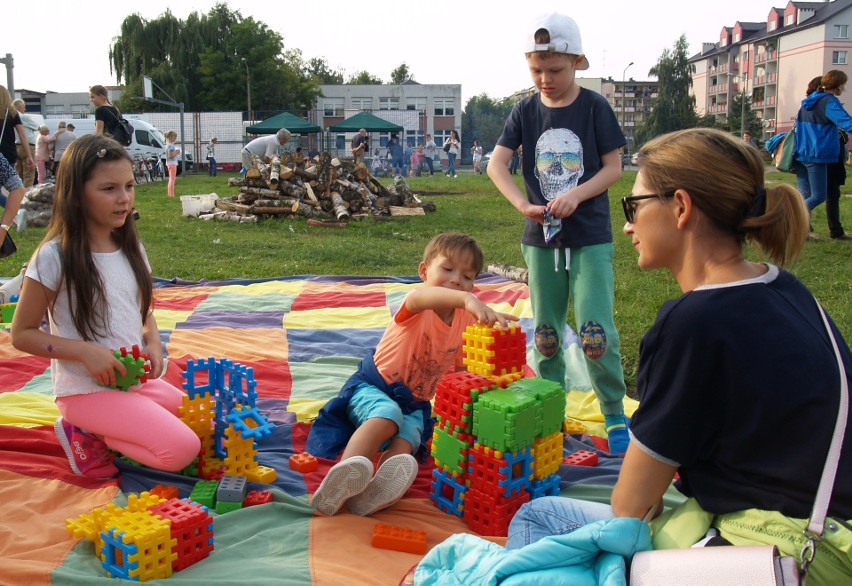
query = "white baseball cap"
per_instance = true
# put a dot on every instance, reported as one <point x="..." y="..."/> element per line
<point x="564" y="36"/>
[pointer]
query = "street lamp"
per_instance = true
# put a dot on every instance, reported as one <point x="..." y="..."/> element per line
<point x="248" y="88"/>
<point x="742" y="105"/>
<point x="623" y="95"/>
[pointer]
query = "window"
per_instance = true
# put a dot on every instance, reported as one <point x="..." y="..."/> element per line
<point x="80" y="110"/>
<point x="362" y="103"/>
<point x="416" y="104"/>
<point x="54" y="110"/>
<point x="723" y="43"/>
<point x="332" y="107"/>
<point x="841" y="31"/>
<point x="838" y="57"/>
<point x="789" y="19"/>
<point x="772" y="25"/>
<point x="413" y="138"/>
<point x="388" y="103"/>
<point x="440" y="136"/>
<point x="444" y="107"/>
<point x="340" y="142"/>
<point x="736" y="37"/>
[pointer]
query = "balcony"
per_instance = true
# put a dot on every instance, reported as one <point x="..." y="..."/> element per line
<point x="718" y="108"/>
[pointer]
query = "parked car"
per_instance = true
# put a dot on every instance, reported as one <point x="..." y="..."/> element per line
<point x="483" y="162"/>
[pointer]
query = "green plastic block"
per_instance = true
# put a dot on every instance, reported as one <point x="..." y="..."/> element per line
<point x="449" y="451"/>
<point x="227" y="507"/>
<point x="550" y="395"/>
<point x="204" y="493"/>
<point x="506" y="420"/>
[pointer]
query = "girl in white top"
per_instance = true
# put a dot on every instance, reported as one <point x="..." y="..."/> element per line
<point x="476" y="151"/>
<point x="90" y="275"/>
<point x="172" y="153"/>
<point x="454" y="144"/>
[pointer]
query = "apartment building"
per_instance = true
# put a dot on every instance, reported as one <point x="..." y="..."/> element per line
<point x="773" y="61"/>
<point x="421" y="109"/>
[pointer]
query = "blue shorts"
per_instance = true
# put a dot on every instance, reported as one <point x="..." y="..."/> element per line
<point x="368" y="402"/>
<point x="9" y="178"/>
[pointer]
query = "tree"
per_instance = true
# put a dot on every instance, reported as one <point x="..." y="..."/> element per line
<point x="203" y="62"/>
<point x="753" y="124"/>
<point x="674" y="107"/>
<point x="401" y="74"/>
<point x="364" y="78"/>
<point x="483" y="118"/>
<point x="319" y="69"/>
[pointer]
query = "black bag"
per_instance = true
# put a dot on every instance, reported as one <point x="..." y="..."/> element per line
<point x="8" y="247"/>
<point x="447" y="148"/>
<point x="123" y="131"/>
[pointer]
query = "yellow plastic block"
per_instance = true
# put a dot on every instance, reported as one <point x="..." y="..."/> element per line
<point x="261" y="474"/>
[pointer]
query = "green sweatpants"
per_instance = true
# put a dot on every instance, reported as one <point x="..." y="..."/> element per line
<point x="588" y="282"/>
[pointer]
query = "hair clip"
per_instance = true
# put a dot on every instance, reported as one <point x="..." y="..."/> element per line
<point x="101" y="153"/>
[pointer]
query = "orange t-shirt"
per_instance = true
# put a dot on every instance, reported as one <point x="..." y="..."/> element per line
<point x="419" y="348"/>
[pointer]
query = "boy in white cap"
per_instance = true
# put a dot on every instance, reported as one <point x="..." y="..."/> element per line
<point x="571" y="141"/>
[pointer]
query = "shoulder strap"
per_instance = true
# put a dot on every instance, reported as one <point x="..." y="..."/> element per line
<point x="817" y="520"/>
<point x="3" y="128"/>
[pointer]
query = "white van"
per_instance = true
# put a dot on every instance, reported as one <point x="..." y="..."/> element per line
<point x="148" y="142"/>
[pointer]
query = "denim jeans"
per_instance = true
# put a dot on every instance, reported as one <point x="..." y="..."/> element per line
<point x="451" y="168"/>
<point x="553" y="515"/>
<point x="429" y="163"/>
<point x="812" y="181"/>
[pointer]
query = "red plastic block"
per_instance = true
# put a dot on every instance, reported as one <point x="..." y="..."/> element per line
<point x="303" y="463"/>
<point x="257" y="497"/>
<point x="581" y="458"/>
<point x="487" y="514"/>
<point x="191" y="528"/>
<point x="398" y="539"/>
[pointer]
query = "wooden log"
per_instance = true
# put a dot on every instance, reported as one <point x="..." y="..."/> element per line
<point x="261" y="192"/>
<point x="274" y="172"/>
<point x="327" y="223"/>
<point x="405" y="211"/>
<point x="309" y="174"/>
<point x="286" y="173"/>
<point x="324" y="171"/>
<point x="292" y="189"/>
<point x="236" y="182"/>
<point x="510" y="272"/>
<point x="361" y="172"/>
<point x="339" y="206"/>
<point x="311" y="196"/>
<point x="224" y="204"/>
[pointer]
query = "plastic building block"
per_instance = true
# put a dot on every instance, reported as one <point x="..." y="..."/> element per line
<point x="487" y="514"/>
<point x="398" y="539"/>
<point x="257" y="497"/>
<point x="500" y="473"/>
<point x="570" y="426"/>
<point x="204" y="492"/>
<point x="139" y="547"/>
<point x="506" y="420"/>
<point x="7" y="311"/>
<point x="136" y="366"/>
<point x="581" y="458"/>
<point x="231" y="489"/>
<point x="191" y="528"/>
<point x="303" y="462"/>
<point x="447" y="492"/>
<point x="551" y="397"/>
<point x="548" y="486"/>
<point x="262" y="474"/>
<point x="494" y="351"/>
<point x="450" y="450"/>
<point x="164" y="491"/>
<point x="547" y="455"/>
<point x="226" y="506"/>
<point x="454" y="398"/>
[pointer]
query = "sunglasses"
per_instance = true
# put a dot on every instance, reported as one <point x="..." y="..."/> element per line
<point x="629" y="203"/>
<point x="571" y="161"/>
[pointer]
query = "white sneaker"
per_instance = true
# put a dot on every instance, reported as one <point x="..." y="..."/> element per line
<point x="343" y="481"/>
<point x="390" y="483"/>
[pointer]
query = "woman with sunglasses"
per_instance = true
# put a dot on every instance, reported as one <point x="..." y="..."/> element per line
<point x="738" y="382"/>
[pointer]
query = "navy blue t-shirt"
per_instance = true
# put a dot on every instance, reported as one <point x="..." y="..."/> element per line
<point x="563" y="148"/>
<point x="739" y="387"/>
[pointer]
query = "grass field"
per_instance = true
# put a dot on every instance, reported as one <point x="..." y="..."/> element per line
<point x="190" y="249"/>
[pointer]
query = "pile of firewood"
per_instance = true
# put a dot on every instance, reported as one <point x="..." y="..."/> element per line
<point x="322" y="188"/>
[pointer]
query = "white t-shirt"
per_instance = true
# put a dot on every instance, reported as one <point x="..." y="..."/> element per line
<point x="122" y="303"/>
<point x="265" y="146"/>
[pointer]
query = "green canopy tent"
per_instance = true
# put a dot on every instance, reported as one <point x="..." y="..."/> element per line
<point x="286" y="120"/>
<point x="367" y="121"/>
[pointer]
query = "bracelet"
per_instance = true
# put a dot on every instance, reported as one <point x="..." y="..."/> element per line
<point x="4" y="227"/>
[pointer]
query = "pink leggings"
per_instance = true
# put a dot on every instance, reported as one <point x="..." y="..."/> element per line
<point x="172" y="176"/>
<point x="42" y="172"/>
<point x="141" y="424"/>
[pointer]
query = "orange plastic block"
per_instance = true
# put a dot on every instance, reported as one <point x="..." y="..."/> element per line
<point x="398" y="539"/>
<point x="581" y="458"/>
<point x="165" y="491"/>
<point x="303" y="463"/>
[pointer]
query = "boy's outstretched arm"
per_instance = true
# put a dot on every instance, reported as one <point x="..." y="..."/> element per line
<point x="498" y="172"/>
<point x="444" y="299"/>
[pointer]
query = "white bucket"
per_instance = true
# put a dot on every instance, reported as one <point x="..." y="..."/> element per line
<point x="198" y="204"/>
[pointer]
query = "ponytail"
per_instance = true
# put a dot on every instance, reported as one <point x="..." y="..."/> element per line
<point x="780" y="231"/>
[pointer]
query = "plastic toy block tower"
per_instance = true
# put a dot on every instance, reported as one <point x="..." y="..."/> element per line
<point x="222" y="412"/>
<point x="495" y="448"/>
<point x="495" y="352"/>
<point x="191" y="529"/>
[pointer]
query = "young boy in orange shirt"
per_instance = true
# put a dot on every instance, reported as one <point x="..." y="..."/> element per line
<point x="385" y="404"/>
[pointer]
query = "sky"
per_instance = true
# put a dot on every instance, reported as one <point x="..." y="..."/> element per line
<point x="64" y="47"/>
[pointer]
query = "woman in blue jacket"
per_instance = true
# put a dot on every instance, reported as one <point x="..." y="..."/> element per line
<point x="817" y="136"/>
